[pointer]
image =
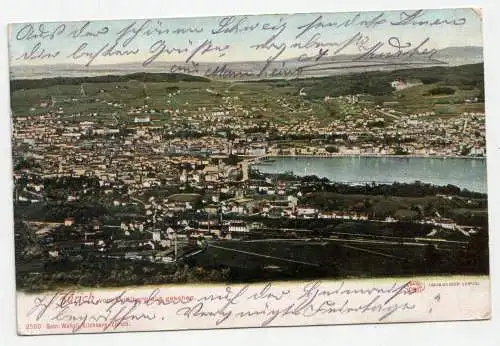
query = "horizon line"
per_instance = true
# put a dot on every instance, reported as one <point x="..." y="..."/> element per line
<point x="203" y="62"/>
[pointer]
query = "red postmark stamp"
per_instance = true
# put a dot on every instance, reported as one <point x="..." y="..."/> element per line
<point x="414" y="287"/>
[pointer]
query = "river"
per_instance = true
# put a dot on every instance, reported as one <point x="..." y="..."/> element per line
<point x="465" y="173"/>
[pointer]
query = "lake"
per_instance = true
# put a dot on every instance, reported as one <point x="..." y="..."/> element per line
<point x="466" y="173"/>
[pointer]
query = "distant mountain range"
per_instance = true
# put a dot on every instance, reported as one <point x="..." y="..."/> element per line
<point x="336" y="65"/>
<point x="455" y="56"/>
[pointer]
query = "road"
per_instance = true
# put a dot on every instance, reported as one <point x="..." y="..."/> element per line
<point x="137" y="200"/>
<point x="371" y="236"/>
<point x="387" y="114"/>
<point x="325" y="241"/>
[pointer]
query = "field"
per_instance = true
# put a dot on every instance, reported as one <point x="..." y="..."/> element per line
<point x="325" y="258"/>
<point x="120" y="99"/>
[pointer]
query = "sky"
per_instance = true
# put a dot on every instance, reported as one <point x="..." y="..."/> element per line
<point x="146" y="40"/>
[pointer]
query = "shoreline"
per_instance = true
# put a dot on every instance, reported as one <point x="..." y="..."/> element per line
<point x="328" y="156"/>
<point x="260" y="163"/>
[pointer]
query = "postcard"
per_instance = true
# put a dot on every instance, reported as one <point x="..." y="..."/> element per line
<point x="249" y="171"/>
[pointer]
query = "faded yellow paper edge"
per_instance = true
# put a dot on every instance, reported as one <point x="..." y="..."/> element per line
<point x="453" y="300"/>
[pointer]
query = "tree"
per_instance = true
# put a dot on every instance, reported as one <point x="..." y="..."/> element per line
<point x="400" y="151"/>
<point x="332" y="149"/>
<point x="476" y="259"/>
<point x="432" y="258"/>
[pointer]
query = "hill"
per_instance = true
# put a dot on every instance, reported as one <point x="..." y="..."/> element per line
<point x="18" y="84"/>
<point x="443" y="90"/>
<point x="379" y="83"/>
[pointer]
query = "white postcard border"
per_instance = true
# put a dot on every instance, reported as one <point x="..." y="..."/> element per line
<point x="483" y="332"/>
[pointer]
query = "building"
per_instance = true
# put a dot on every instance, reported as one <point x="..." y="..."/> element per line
<point x="155" y="236"/>
<point x="445" y="223"/>
<point x="304" y="210"/>
<point x="238" y="227"/>
<point x="400" y="84"/>
<point x="142" y="119"/>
